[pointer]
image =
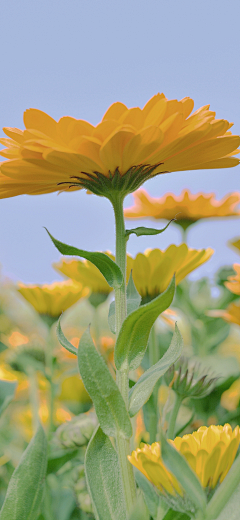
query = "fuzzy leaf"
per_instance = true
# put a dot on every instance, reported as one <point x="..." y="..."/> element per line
<point x="151" y="497"/>
<point x="178" y="465"/>
<point x="142" y="390"/>
<point x="103" y="478"/>
<point x="109" y="269"/>
<point x="25" y="489"/>
<point x="103" y="390"/>
<point x="133" y="336"/>
<point x="140" y="231"/>
<point x="133" y="302"/>
<point x="64" y="341"/>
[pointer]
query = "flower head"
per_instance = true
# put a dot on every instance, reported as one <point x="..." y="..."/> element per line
<point x="210" y="452"/>
<point x="235" y="243"/>
<point x="126" y="148"/>
<point x="186" y="208"/>
<point x="233" y="283"/>
<point x="51" y="300"/>
<point x="231" y="314"/>
<point x="189" y="380"/>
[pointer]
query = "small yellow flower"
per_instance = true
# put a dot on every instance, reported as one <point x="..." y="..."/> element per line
<point x="233" y="283"/>
<point x="51" y="300"/>
<point x="126" y="148"/>
<point x="231" y="314"/>
<point x="187" y="208"/>
<point x="231" y="397"/>
<point x="235" y="243"/>
<point x="210" y="452"/>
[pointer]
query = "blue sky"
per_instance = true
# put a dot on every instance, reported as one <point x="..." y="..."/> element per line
<point x="76" y="58"/>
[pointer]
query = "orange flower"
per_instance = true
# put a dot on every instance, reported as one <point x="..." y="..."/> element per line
<point x="233" y="283"/>
<point x="230" y="314"/>
<point x="126" y="148"/>
<point x="186" y="208"/>
<point x="235" y="243"/>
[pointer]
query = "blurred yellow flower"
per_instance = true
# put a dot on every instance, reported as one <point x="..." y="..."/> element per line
<point x="51" y="300"/>
<point x="16" y="339"/>
<point x="230" y="314"/>
<point x="235" y="243"/>
<point x="126" y="148"/>
<point x="233" y="283"/>
<point x="210" y="452"/>
<point x="153" y="270"/>
<point x="73" y="389"/>
<point x="187" y="208"/>
<point x="231" y="397"/>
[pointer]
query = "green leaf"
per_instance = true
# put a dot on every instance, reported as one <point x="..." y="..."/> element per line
<point x="142" y="390"/>
<point x="140" y="511"/>
<point x="227" y="495"/>
<point x="3" y="347"/>
<point x="150" y="496"/>
<point x="140" y="231"/>
<point x="7" y="391"/>
<point x="25" y="490"/>
<point x="133" y="336"/>
<point x="103" y="390"/>
<point x="109" y="269"/>
<point x="178" y="465"/>
<point x="64" y="341"/>
<point x="133" y="302"/>
<point x="103" y="478"/>
<point x="231" y="510"/>
<point x="173" y="515"/>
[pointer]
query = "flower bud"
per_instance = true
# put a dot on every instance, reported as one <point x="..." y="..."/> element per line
<point x="78" y="431"/>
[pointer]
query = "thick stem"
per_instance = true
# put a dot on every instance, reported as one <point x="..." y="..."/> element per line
<point x="173" y="418"/>
<point x="34" y="398"/>
<point x="122" y="378"/>
<point x="49" y="375"/>
<point x="153" y="358"/>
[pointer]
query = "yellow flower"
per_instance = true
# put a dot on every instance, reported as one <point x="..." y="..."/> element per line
<point x="231" y="397"/>
<point x="210" y="452"/>
<point x="230" y="314"/>
<point x="235" y="243"/>
<point x="233" y="283"/>
<point x="153" y="270"/>
<point x="73" y="389"/>
<point x="126" y="148"/>
<point x="187" y="208"/>
<point x="51" y="300"/>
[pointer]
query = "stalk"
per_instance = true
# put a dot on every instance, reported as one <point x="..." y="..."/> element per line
<point x="122" y="377"/>
<point x="173" y="418"/>
<point x="34" y="399"/>
<point x="49" y="375"/>
<point x="153" y="359"/>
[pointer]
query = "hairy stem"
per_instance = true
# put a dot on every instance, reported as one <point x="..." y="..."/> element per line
<point x="173" y="417"/>
<point x="153" y="358"/>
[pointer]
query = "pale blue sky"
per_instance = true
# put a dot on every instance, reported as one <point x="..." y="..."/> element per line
<point x="76" y="58"/>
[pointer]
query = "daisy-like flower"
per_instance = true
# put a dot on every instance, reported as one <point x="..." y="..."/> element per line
<point x="51" y="300"/>
<point x="126" y="148"/>
<point x="231" y="314"/>
<point x="231" y="397"/>
<point x="186" y="208"/>
<point x="233" y="283"/>
<point x="210" y="452"/>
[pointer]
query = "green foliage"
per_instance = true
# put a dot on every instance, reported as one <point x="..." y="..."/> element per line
<point x="133" y="302"/>
<point x="25" y="490"/>
<point x="150" y="495"/>
<point x="142" y="390"/>
<point x="64" y="341"/>
<point x="226" y="497"/>
<point x="109" y="269"/>
<point x="133" y="336"/>
<point x="103" y="478"/>
<point x="7" y="391"/>
<point x="143" y="231"/>
<point x="103" y="390"/>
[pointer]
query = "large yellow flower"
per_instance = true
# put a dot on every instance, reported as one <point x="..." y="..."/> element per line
<point x="152" y="271"/>
<point x="126" y="148"/>
<point x="51" y="300"/>
<point x="233" y="283"/>
<point x="187" y="208"/>
<point x="209" y="451"/>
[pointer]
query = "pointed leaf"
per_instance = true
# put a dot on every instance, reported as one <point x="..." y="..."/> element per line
<point x="178" y="465"/>
<point x="139" y="511"/>
<point x="25" y="490"/>
<point x="151" y="497"/>
<point x="142" y="390"/>
<point x="7" y="391"/>
<point x="133" y="302"/>
<point x="226" y="495"/>
<point x="140" y="231"/>
<point x="103" y="479"/>
<point x="64" y="341"/>
<point x="109" y="269"/>
<point x="133" y="336"/>
<point x="103" y="390"/>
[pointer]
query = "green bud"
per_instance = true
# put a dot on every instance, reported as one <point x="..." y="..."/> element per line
<point x="189" y="381"/>
<point x="78" y="431"/>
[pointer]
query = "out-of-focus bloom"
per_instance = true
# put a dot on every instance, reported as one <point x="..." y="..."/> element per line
<point x="23" y="416"/>
<point x="73" y="389"/>
<point x="235" y="243"/>
<point x="153" y="270"/>
<point x="186" y="208"/>
<point x="231" y="314"/>
<point x="51" y="300"/>
<point x="16" y="339"/>
<point x="233" y="283"/>
<point x="189" y="380"/>
<point x="210" y="452"/>
<point x="126" y="148"/>
<point x="231" y="397"/>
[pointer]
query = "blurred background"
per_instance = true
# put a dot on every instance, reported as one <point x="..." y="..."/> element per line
<point x="76" y="58"/>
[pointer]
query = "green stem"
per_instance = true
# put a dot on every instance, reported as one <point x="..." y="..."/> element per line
<point x="49" y="375"/>
<point x="161" y="511"/>
<point x="153" y="358"/>
<point x="122" y="378"/>
<point x="34" y="399"/>
<point x="173" y="418"/>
